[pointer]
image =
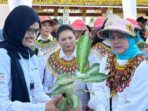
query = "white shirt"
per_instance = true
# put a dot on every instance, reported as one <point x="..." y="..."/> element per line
<point x="133" y="98"/>
<point x="37" y="96"/>
<point x="50" y="79"/>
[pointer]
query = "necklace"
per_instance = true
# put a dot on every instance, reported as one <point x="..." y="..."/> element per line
<point x="45" y="44"/>
<point x="103" y="49"/>
<point x="59" y="65"/>
<point x="121" y="75"/>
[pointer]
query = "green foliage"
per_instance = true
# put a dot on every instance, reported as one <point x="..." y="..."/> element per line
<point x="62" y="89"/>
<point x="95" y="78"/>
<point x="83" y="50"/>
<point x="63" y="104"/>
<point x="74" y="100"/>
<point x="64" y="79"/>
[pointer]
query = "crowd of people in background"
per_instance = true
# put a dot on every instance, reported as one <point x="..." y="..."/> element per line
<point x="35" y="50"/>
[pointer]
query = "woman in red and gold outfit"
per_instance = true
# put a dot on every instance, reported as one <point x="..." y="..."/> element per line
<point x="64" y="61"/>
<point x="127" y="83"/>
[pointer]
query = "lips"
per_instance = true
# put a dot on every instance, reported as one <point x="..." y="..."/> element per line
<point x="47" y="31"/>
<point x="68" y="46"/>
<point x="118" y="47"/>
<point x="30" y="39"/>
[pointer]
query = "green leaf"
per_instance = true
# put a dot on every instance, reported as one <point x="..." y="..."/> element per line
<point x="62" y="89"/>
<point x="63" y="104"/>
<point x="80" y="75"/>
<point x="74" y="100"/>
<point x="65" y="75"/>
<point x="82" y="51"/>
<point x="93" y="69"/>
<point x="95" y="78"/>
<point x="64" y="79"/>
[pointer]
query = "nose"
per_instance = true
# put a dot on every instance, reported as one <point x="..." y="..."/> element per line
<point x="67" y="41"/>
<point x="33" y="36"/>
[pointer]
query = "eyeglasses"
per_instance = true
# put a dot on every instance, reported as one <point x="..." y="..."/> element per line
<point x="32" y="31"/>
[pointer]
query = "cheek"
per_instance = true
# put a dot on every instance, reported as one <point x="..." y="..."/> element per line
<point x="61" y="43"/>
<point x="73" y="41"/>
<point x="43" y="29"/>
<point x="50" y="28"/>
<point x="24" y="42"/>
<point x="125" y="44"/>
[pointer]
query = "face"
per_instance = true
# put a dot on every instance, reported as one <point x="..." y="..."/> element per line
<point x="55" y="27"/>
<point x="31" y="34"/>
<point x="142" y="24"/>
<point x="67" y="41"/>
<point x="119" y="42"/>
<point x="88" y="33"/>
<point x="46" y="29"/>
<point x="78" y="34"/>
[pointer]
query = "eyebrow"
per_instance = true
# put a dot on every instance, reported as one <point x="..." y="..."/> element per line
<point x="34" y="28"/>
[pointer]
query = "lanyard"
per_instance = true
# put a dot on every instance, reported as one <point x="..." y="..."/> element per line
<point x="30" y="72"/>
<point x="110" y="103"/>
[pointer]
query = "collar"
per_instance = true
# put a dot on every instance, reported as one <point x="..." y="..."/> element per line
<point x="63" y="55"/>
<point x="49" y="37"/>
<point x="107" y="42"/>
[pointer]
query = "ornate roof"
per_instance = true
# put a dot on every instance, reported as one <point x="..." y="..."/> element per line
<point x="83" y="2"/>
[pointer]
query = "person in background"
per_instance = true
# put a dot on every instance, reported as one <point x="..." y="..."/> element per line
<point x="20" y="85"/>
<point x="146" y="32"/>
<point x="126" y="68"/>
<point x="88" y="31"/>
<point x="79" y="28"/>
<point x="64" y="61"/>
<point x="45" y="43"/>
<point x="142" y="23"/>
<point x="100" y="47"/>
<point x="55" y="28"/>
<point x="137" y="29"/>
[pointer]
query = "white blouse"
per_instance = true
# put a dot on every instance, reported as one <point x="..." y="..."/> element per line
<point x="30" y="68"/>
<point x="133" y="98"/>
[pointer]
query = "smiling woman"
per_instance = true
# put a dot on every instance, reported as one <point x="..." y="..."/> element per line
<point x="20" y="85"/>
<point x="127" y="70"/>
<point x="63" y="61"/>
<point x="31" y="35"/>
<point x="119" y="42"/>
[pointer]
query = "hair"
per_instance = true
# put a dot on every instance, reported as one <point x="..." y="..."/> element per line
<point x="88" y="27"/>
<point x="141" y="19"/>
<point x="96" y="39"/>
<point x="63" y="28"/>
<point x="55" y="20"/>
